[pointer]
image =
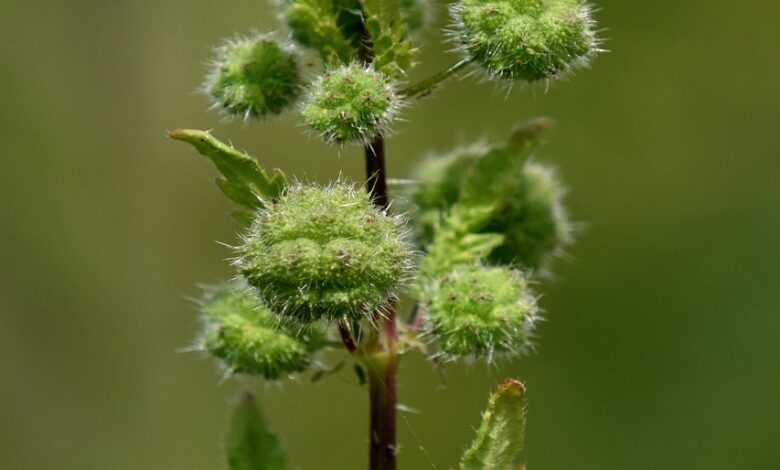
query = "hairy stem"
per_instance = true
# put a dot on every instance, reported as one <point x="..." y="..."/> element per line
<point x="382" y="366"/>
<point x="382" y="369"/>
<point x="426" y="87"/>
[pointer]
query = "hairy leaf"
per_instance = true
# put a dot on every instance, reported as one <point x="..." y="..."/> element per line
<point x="243" y="180"/>
<point x="392" y="50"/>
<point x="496" y="173"/>
<point x="457" y="242"/>
<point x="250" y="445"/>
<point x="501" y="436"/>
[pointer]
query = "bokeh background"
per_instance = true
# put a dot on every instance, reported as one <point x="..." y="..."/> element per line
<point x="662" y="345"/>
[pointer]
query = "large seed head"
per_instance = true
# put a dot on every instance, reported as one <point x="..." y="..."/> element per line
<point x="325" y="252"/>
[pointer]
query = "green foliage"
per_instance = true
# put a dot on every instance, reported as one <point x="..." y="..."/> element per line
<point x="351" y="104"/>
<point x="253" y="77"/>
<point x="528" y="40"/>
<point x="243" y="180"/>
<point x="457" y="241"/>
<point x="250" y="445"/>
<point x="478" y="311"/>
<point x="250" y="339"/>
<point x="325" y="252"/>
<point x="485" y="216"/>
<point x="387" y="32"/>
<point x="498" y="191"/>
<point x="500" y="439"/>
<point x="325" y="26"/>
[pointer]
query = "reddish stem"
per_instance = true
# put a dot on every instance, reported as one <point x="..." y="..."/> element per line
<point x="384" y="365"/>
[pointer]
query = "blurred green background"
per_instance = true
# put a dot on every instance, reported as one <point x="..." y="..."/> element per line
<point x="662" y="345"/>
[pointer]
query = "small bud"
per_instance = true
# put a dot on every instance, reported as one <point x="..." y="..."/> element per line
<point x="253" y="77"/>
<point x="527" y="199"/>
<point x="527" y="40"/>
<point x="325" y="253"/>
<point x="482" y="311"/>
<point x="249" y="339"/>
<point x="351" y="103"/>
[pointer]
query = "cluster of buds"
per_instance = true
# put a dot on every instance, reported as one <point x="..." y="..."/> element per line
<point x="486" y="218"/>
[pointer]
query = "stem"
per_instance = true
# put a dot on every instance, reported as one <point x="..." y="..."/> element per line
<point x="427" y="86"/>
<point x="382" y="395"/>
<point x="382" y="364"/>
<point x="346" y="337"/>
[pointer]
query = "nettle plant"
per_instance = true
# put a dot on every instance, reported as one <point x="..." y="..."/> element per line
<point x="322" y="267"/>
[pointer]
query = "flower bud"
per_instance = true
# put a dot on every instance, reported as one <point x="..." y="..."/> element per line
<point x="351" y="103"/>
<point x="527" y="40"/>
<point x="482" y="312"/>
<point x="325" y="253"/>
<point x="253" y="77"/>
<point x="249" y="339"/>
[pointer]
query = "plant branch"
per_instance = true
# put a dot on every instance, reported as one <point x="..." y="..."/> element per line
<point x="426" y="87"/>
<point x="383" y="365"/>
<point x="346" y="337"/>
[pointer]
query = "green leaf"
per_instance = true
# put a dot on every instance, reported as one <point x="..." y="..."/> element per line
<point x="456" y="242"/>
<point x="392" y="50"/>
<point x="243" y="180"/>
<point x="250" y="445"/>
<point x="498" y="172"/>
<point x="500" y="439"/>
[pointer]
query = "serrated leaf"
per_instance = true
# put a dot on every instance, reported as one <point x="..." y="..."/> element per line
<point x="243" y="180"/>
<point x="250" y="445"/>
<point x="500" y="439"/>
<point x="456" y="242"/>
<point x="391" y="47"/>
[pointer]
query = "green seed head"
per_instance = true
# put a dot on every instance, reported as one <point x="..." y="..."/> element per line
<point x="478" y="311"/>
<point x="249" y="339"/>
<point x="253" y="77"/>
<point x="325" y="252"/>
<point x="528" y="40"/>
<point x="528" y="204"/>
<point x="351" y="103"/>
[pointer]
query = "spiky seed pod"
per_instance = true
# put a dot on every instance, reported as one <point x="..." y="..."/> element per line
<point x="528" y="203"/>
<point x="478" y="311"/>
<point x="254" y="76"/>
<point x="250" y="339"/>
<point x="351" y="103"/>
<point x="528" y="40"/>
<point x="325" y="252"/>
